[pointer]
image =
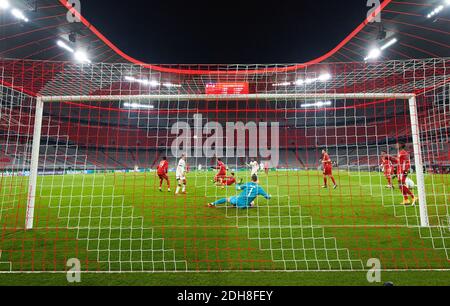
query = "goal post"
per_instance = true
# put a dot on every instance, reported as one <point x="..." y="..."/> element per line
<point x="34" y="165"/>
<point x="413" y="113"/>
<point x="418" y="159"/>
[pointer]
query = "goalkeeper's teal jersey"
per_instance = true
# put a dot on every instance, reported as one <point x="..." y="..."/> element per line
<point x="250" y="192"/>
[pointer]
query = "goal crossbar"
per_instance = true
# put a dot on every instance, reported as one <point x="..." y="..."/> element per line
<point x="244" y="97"/>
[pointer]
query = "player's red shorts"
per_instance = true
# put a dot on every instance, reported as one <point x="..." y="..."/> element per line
<point x="328" y="171"/>
<point x="163" y="176"/>
<point x="402" y="178"/>
<point x="230" y="181"/>
<point x="220" y="176"/>
<point x="388" y="171"/>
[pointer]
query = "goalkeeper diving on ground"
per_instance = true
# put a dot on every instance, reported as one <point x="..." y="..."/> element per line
<point x="246" y="199"/>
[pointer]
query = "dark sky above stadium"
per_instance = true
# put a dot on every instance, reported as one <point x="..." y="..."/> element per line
<point x="244" y="31"/>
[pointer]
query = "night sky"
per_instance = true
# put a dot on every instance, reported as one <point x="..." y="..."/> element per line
<point x="245" y="31"/>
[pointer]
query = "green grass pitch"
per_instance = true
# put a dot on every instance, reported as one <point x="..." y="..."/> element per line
<point x="305" y="235"/>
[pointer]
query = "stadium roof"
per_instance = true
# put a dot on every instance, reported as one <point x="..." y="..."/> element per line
<point x="418" y="36"/>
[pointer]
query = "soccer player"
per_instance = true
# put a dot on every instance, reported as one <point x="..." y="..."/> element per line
<point x="403" y="166"/>
<point x="327" y="169"/>
<point x="228" y="181"/>
<point x="254" y="166"/>
<point x="250" y="192"/>
<point x="388" y="168"/>
<point x="266" y="168"/>
<point x="222" y="172"/>
<point x="162" y="170"/>
<point x="181" y="175"/>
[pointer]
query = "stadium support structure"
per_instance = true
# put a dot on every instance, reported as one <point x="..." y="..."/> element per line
<point x="287" y="96"/>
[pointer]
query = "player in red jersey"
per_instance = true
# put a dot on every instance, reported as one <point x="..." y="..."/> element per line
<point x="327" y="169"/>
<point x="162" y="170"/>
<point x="403" y="166"/>
<point x="222" y="172"/>
<point x="231" y="180"/>
<point x="388" y="168"/>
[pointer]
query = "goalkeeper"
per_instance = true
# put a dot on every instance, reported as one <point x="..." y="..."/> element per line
<point x="250" y="192"/>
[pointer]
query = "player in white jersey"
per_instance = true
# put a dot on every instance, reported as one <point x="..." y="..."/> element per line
<point x="181" y="175"/>
<point x="254" y="167"/>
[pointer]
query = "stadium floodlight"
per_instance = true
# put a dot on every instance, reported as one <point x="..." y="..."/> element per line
<point x="135" y="80"/>
<point x="81" y="56"/>
<point x="373" y="54"/>
<point x="324" y="77"/>
<point x="151" y="83"/>
<point x="437" y="10"/>
<point x="376" y="52"/>
<point x="19" y="15"/>
<point x="388" y="44"/>
<point x="283" y="84"/>
<point x="138" y="106"/>
<point x="65" y="46"/>
<point x="317" y="104"/>
<point x="171" y="85"/>
<point x="154" y="83"/>
<point x="321" y="78"/>
<point x="4" y="4"/>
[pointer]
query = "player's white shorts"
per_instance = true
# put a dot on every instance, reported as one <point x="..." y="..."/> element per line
<point x="180" y="176"/>
<point x="254" y="173"/>
<point x="410" y="183"/>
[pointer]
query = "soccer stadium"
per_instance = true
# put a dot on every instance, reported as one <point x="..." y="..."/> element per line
<point x="225" y="174"/>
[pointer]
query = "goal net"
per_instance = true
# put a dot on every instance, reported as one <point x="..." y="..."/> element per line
<point x="80" y="147"/>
